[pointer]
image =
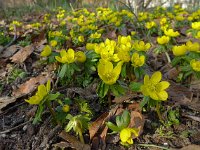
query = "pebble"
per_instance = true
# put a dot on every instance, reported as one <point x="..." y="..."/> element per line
<point x="13" y="135"/>
<point x="25" y="128"/>
<point x="3" y="135"/>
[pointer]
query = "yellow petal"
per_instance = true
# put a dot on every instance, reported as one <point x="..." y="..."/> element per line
<point x="163" y="85"/>
<point x="154" y="95"/>
<point x="163" y="95"/>
<point x="146" y="79"/>
<point x="156" y="77"/>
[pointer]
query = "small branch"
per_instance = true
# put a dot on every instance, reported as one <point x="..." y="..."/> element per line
<point x="9" y="130"/>
<point x="151" y="145"/>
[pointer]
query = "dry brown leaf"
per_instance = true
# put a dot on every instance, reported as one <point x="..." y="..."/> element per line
<point x="22" y="54"/>
<point x="4" y="101"/>
<point x="190" y="147"/>
<point x="73" y="142"/>
<point x="30" y="85"/>
<point x="94" y="127"/>
<point x="137" y="121"/>
<point x="126" y="97"/>
<point x="10" y="51"/>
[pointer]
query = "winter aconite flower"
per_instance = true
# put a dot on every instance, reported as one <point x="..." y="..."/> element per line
<point x="195" y="65"/>
<point x="107" y="72"/>
<point x="126" y="135"/>
<point x="150" y="24"/>
<point x="46" y="51"/>
<point x="80" y="56"/>
<point x="154" y="87"/>
<point x="66" y="57"/>
<point x="196" y="25"/>
<point x="40" y="94"/>
<point x="66" y="108"/>
<point x="179" y="50"/>
<point x="141" y="46"/>
<point x="53" y="43"/>
<point x="137" y="60"/>
<point x="163" y="40"/>
<point x="171" y="33"/>
<point x="195" y="47"/>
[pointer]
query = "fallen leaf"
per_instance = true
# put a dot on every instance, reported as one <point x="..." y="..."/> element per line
<point x="137" y="121"/>
<point x="10" y="51"/>
<point x="126" y="97"/>
<point x="30" y="85"/>
<point x="61" y="145"/>
<point x="191" y="147"/>
<point x="4" y="101"/>
<point x="94" y="127"/>
<point x="74" y="143"/>
<point x="22" y="54"/>
<point x="178" y="92"/>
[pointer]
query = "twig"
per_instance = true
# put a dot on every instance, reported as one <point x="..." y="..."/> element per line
<point x="11" y="129"/>
<point x="11" y="42"/>
<point x="151" y="145"/>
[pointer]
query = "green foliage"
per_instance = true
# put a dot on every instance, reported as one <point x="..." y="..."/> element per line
<point x="121" y="122"/>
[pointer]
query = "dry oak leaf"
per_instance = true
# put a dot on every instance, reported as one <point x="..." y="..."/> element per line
<point x="22" y="54"/>
<point x="10" y="51"/>
<point x="73" y="142"/>
<point x="30" y="85"/>
<point x="4" y="101"/>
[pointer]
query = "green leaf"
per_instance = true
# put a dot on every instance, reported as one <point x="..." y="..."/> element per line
<point x="102" y="89"/>
<point x="135" y="86"/>
<point x="112" y="127"/>
<point x="63" y="71"/>
<point x="53" y="96"/>
<point x="144" y="101"/>
<point x="123" y="71"/>
<point x="38" y="114"/>
<point x="176" y="60"/>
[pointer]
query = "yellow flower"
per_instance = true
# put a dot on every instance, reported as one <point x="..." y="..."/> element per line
<point x="81" y="38"/>
<point x="133" y="33"/>
<point x="80" y="56"/>
<point x="95" y="35"/>
<point x="150" y="25"/>
<point x="65" y="108"/>
<point x="124" y="56"/>
<point x="196" y="25"/>
<point x="163" y="40"/>
<point x="137" y="60"/>
<point x="66" y="57"/>
<point x="179" y="50"/>
<point x="198" y="35"/>
<point x="171" y="33"/>
<point x="141" y="46"/>
<point x="53" y="43"/>
<point x="154" y="88"/>
<point x="107" y="73"/>
<point x="195" y="47"/>
<point x="46" y="51"/>
<point x="195" y="65"/>
<point x="180" y="18"/>
<point x="126" y="135"/>
<point x="163" y="21"/>
<point x="40" y="94"/>
<point x="90" y="46"/>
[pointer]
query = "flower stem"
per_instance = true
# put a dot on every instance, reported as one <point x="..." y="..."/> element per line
<point x="81" y="136"/>
<point x="109" y="98"/>
<point x="52" y="112"/>
<point x="168" y="58"/>
<point x="158" y="111"/>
